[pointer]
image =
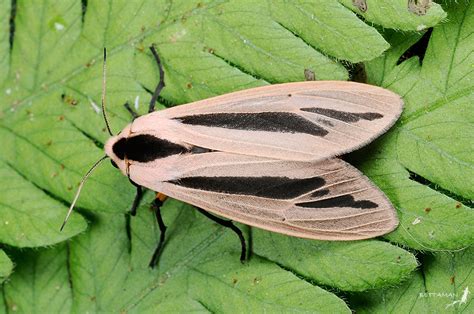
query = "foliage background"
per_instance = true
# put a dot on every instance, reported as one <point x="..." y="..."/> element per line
<point x="51" y="132"/>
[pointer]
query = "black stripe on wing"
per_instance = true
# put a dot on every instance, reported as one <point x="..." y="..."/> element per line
<point x="276" y="188"/>
<point x="285" y="122"/>
<point x="271" y="187"/>
<point x="345" y="115"/>
<point x="339" y="201"/>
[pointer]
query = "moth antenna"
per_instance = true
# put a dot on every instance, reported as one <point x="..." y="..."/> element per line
<point x="104" y="70"/>
<point x="86" y="176"/>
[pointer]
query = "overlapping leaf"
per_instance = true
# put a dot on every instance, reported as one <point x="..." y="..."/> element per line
<point x="433" y="141"/>
<point x="28" y="216"/>
<point x="39" y="283"/>
<point x="443" y="285"/>
<point x="428" y="163"/>
<point x="369" y="264"/>
<point x="407" y="15"/>
<point x="6" y="266"/>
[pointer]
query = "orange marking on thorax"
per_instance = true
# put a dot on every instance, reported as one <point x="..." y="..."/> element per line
<point x="162" y="197"/>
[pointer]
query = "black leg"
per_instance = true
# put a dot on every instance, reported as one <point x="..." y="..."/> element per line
<point x="228" y="224"/>
<point x="138" y="197"/>
<point x="132" y="112"/>
<point x="136" y="201"/>
<point x="161" y="83"/>
<point x="156" y="255"/>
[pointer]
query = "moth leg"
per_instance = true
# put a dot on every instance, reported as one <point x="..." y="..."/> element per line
<point x="157" y="203"/>
<point x="161" y="83"/>
<point x="136" y="201"/>
<point x="132" y="112"/>
<point x="228" y="224"/>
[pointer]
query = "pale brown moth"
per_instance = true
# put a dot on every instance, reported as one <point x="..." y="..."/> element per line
<point x="265" y="157"/>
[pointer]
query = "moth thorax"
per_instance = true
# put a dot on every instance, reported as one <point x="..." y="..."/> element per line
<point x="145" y="148"/>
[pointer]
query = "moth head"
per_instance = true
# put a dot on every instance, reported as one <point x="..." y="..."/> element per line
<point x="116" y="150"/>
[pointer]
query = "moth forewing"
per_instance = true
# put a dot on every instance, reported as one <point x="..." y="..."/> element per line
<point x="293" y="121"/>
<point x="327" y="200"/>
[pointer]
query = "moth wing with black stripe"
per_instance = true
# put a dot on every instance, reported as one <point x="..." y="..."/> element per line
<point x="328" y="200"/>
<point x="264" y="157"/>
<point x="313" y="120"/>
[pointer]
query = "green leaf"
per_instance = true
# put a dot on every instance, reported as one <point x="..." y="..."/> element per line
<point x="199" y="266"/>
<point x="28" y="216"/>
<point x="443" y="285"/>
<point x="40" y="282"/>
<point x="3" y="308"/>
<point x="350" y="39"/>
<point x="4" y="40"/>
<point x="6" y="266"/>
<point x="62" y="155"/>
<point x="406" y="15"/>
<point x="433" y="141"/>
<point x="368" y="264"/>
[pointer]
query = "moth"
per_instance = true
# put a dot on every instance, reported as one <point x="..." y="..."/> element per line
<point x="265" y="157"/>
